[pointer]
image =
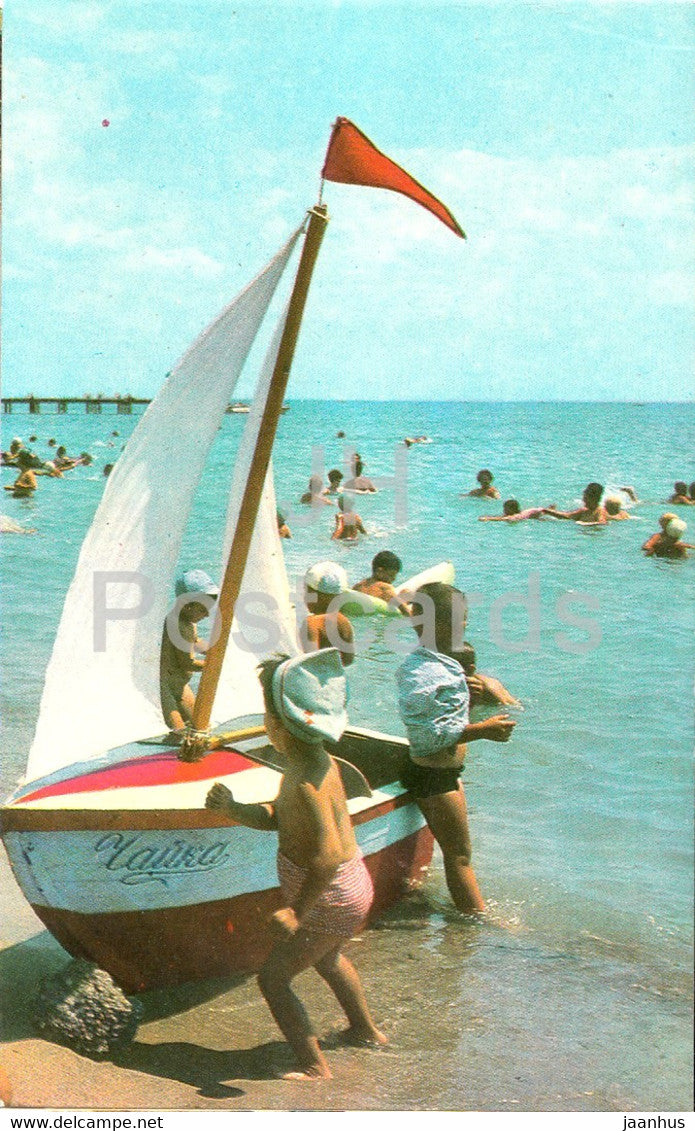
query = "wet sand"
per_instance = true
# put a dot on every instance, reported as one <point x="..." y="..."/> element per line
<point x="478" y="1019"/>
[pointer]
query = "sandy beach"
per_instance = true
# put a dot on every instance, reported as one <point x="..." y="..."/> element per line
<point x="511" y="1042"/>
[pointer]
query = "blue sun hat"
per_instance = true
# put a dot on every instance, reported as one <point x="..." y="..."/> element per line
<point x="196" y="581"/>
<point x="310" y="695"/>
<point x="326" y="577"/>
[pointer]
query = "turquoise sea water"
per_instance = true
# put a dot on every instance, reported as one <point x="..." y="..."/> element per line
<point x="582" y="825"/>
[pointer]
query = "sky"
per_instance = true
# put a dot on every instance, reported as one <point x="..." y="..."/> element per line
<point x="157" y="154"/>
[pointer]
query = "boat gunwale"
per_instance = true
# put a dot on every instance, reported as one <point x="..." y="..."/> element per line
<point x="16" y="818"/>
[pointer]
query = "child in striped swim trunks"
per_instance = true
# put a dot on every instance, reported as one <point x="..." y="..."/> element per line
<point x="326" y="888"/>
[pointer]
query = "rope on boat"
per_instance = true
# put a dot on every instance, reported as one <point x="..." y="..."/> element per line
<point x="195" y="744"/>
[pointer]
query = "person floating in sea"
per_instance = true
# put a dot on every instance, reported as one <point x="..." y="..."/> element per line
<point x="283" y="529"/>
<point x="433" y="702"/>
<point x="348" y="524"/>
<point x="631" y="493"/>
<point x="591" y="514"/>
<point x="614" y="510"/>
<point x="326" y="889"/>
<point x="326" y="626"/>
<point x="512" y="512"/>
<point x="316" y="494"/>
<point x="25" y="484"/>
<point x="385" y="568"/>
<point x="335" y="477"/>
<point x="180" y="645"/>
<point x="680" y="496"/>
<point x="486" y="489"/>
<point x="49" y="468"/>
<point x="666" y="543"/>
<point x="10" y="457"/>
<point x="63" y="460"/>
<point x="359" y="482"/>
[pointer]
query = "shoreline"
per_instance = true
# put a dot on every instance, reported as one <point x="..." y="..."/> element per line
<point x="479" y="1019"/>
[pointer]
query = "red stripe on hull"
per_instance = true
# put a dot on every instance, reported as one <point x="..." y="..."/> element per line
<point x="143" y="950"/>
<point x="160" y="769"/>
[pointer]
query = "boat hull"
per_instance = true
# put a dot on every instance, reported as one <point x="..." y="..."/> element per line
<point x="160" y="894"/>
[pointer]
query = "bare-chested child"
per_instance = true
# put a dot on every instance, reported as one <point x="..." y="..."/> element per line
<point x="614" y="510"/>
<point x="666" y="543"/>
<point x="316" y="494"/>
<point x="591" y="514"/>
<point x="485" y="490"/>
<point x="680" y="497"/>
<point x="385" y="568"/>
<point x="327" y="627"/>
<point x="326" y="888"/>
<point x="334" y="480"/>
<point x="433" y="701"/>
<point x="26" y="483"/>
<point x="348" y="524"/>
<point x="180" y="643"/>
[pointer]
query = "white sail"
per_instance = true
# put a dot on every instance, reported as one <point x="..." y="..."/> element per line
<point x="102" y="681"/>
<point x="265" y="622"/>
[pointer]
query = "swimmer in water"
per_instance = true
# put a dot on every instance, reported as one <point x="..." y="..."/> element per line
<point x="326" y="626"/>
<point x="512" y="512"/>
<point x="667" y="543"/>
<point x="591" y="514"/>
<point x="680" y="496"/>
<point x="25" y="484"/>
<point x="49" y="468"/>
<point x="485" y="490"/>
<point x="385" y="568"/>
<point x="283" y="529"/>
<point x="10" y="457"/>
<point x="614" y="510"/>
<point x="334" y="480"/>
<point x="359" y="482"/>
<point x="348" y="524"/>
<point x="316" y="495"/>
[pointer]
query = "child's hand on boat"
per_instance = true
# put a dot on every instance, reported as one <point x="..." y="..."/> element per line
<point x="284" y="923"/>
<point x="219" y="797"/>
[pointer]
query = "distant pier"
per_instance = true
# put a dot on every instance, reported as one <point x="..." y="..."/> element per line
<point x="123" y="405"/>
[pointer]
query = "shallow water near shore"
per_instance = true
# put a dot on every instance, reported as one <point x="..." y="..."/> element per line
<point x="576" y="995"/>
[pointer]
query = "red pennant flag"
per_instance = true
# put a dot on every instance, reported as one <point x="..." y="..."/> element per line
<point x="352" y="159"/>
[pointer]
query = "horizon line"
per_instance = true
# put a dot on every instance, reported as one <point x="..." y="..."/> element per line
<point x="377" y="400"/>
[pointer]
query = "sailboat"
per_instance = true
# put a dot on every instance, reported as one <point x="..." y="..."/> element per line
<point x="108" y="835"/>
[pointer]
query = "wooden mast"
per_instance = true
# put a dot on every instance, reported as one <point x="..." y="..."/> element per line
<point x="236" y="563"/>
